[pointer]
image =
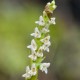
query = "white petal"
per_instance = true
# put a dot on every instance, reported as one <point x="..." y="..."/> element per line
<point x="33" y="57"/>
<point x="27" y="69"/>
<point x="29" y="46"/>
<point x="41" y="21"/>
<point x="33" y="69"/>
<point x="46" y="40"/>
<point x="46" y="71"/>
<point x="48" y="3"/>
<point x="24" y="75"/>
<point x="27" y="75"/>
<point x="44" y="67"/>
<point x="53" y="2"/>
<point x="33" y="34"/>
<point x="33" y="45"/>
<point x="52" y="21"/>
<point x="47" y="50"/>
<point x="54" y="6"/>
<point x="47" y="64"/>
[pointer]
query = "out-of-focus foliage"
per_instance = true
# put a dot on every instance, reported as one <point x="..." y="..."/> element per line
<point x="16" y="23"/>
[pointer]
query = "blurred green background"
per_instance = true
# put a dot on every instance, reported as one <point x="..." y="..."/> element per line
<point x="17" y="19"/>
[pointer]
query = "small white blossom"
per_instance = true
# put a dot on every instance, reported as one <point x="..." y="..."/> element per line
<point x="40" y="52"/>
<point x="44" y="66"/>
<point x="33" y="56"/>
<point x="37" y="33"/>
<point x="41" y="21"/>
<point x="33" y="69"/>
<point x="27" y="75"/>
<point x="46" y="46"/>
<point x="52" y="21"/>
<point x="45" y="30"/>
<point x="33" y="45"/>
<point x="45" y="40"/>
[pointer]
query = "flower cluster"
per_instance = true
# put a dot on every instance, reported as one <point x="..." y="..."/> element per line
<point x="29" y="72"/>
<point x="40" y="43"/>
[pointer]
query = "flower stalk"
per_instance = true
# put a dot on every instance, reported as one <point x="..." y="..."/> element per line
<point x="40" y="43"/>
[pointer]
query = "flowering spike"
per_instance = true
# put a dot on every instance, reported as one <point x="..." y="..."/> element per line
<point x="40" y="43"/>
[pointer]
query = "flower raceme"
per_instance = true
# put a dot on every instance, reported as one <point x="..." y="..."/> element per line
<point x="40" y="43"/>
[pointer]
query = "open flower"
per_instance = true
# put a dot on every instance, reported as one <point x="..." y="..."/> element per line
<point x="33" y="69"/>
<point x="33" y="45"/>
<point x="40" y="52"/>
<point x="37" y="33"/>
<point x="45" y="40"/>
<point x="27" y="75"/>
<point x="46" y="46"/>
<point x="44" y="66"/>
<point x="33" y="56"/>
<point x="41" y="21"/>
<point x="52" y="21"/>
<point x="51" y="4"/>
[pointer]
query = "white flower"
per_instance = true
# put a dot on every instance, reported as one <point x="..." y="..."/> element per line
<point x="27" y="75"/>
<point x="33" y="56"/>
<point x="41" y="21"/>
<point x="33" y="69"/>
<point x="44" y="67"/>
<point x="45" y="40"/>
<point x="46" y="46"/>
<point x="45" y="30"/>
<point x="52" y="21"/>
<point x="33" y="45"/>
<point x="40" y="52"/>
<point x="37" y="33"/>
